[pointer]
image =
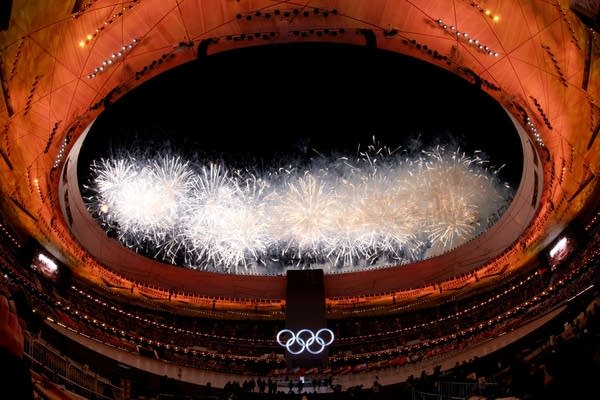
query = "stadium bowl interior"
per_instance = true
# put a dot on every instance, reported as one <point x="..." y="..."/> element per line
<point x="247" y="82"/>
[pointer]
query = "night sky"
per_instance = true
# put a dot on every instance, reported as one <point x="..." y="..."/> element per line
<point x="267" y="105"/>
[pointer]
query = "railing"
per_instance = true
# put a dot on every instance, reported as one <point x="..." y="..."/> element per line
<point x="416" y="395"/>
<point x="455" y="390"/>
<point x="62" y="370"/>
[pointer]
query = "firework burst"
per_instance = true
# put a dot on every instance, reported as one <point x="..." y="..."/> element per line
<point x="382" y="207"/>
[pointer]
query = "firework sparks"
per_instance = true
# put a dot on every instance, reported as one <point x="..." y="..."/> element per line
<point x="383" y="207"/>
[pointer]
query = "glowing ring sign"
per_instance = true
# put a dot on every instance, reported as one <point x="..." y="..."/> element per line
<point x="305" y="339"/>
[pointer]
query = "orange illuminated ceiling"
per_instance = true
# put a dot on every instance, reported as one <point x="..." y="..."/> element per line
<point x="63" y="60"/>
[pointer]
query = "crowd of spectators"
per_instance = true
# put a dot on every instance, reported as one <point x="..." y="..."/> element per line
<point x="363" y="344"/>
<point x="247" y="346"/>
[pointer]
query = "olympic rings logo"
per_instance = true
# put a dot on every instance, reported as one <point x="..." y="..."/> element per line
<point x="305" y="339"/>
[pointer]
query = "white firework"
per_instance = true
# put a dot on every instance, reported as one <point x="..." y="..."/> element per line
<point x="381" y="208"/>
<point x="143" y="198"/>
<point x="226" y="226"/>
<point x="304" y="217"/>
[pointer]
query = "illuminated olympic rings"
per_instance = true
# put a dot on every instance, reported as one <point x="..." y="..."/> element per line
<point x="305" y="339"/>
